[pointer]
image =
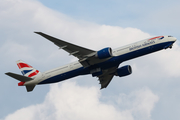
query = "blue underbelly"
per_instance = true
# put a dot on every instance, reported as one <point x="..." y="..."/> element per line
<point x="113" y="62"/>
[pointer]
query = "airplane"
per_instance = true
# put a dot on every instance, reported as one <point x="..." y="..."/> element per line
<point x="103" y="63"/>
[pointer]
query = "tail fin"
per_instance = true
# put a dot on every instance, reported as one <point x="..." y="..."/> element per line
<point x="26" y="69"/>
<point x="29" y="73"/>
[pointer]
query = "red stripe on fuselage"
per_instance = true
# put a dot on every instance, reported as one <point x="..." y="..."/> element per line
<point x="33" y="74"/>
<point x="155" y="37"/>
<point x="22" y="65"/>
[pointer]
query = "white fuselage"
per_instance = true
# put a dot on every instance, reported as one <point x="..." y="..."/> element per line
<point x="120" y="54"/>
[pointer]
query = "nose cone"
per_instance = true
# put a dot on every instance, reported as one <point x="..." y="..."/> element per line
<point x="173" y="39"/>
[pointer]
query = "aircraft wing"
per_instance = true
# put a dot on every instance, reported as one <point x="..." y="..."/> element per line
<point x="75" y="50"/>
<point x="106" y="77"/>
<point x="105" y="80"/>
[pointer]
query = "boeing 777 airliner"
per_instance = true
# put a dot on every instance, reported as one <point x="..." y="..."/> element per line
<point x="102" y="64"/>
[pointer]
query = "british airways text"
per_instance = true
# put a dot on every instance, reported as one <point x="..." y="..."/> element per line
<point x="143" y="45"/>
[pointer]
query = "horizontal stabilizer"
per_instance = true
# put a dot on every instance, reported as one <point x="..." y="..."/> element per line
<point x="19" y="77"/>
<point x="29" y="88"/>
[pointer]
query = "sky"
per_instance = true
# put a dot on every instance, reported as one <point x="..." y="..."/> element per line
<point x="151" y="92"/>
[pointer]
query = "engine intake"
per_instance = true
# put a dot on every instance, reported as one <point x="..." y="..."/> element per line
<point x="124" y="71"/>
<point x="104" y="53"/>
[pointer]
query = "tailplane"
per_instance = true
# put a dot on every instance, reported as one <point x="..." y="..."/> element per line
<point x="19" y="77"/>
<point x="29" y="74"/>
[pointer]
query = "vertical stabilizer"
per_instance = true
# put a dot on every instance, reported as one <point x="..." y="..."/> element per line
<point x="26" y="69"/>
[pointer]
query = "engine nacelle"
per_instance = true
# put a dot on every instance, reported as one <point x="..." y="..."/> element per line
<point x="104" y="53"/>
<point x="124" y="71"/>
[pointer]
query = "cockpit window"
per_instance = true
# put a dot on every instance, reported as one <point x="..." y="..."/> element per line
<point x="170" y="36"/>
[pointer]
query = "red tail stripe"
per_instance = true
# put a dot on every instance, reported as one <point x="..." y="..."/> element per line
<point x="33" y="74"/>
<point x="22" y="65"/>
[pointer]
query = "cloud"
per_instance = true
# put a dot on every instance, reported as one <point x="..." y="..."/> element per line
<point x="20" y="18"/>
<point x="11" y="50"/>
<point x="140" y="102"/>
<point x="163" y="62"/>
<point x="168" y="61"/>
<point x="71" y="101"/>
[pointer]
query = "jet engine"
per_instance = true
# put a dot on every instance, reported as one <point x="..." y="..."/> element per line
<point x="104" y="53"/>
<point x="124" y="71"/>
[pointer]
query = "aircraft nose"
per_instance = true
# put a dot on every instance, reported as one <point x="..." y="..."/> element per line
<point x="173" y="39"/>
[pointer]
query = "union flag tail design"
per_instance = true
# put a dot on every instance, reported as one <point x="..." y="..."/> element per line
<point x="26" y="69"/>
